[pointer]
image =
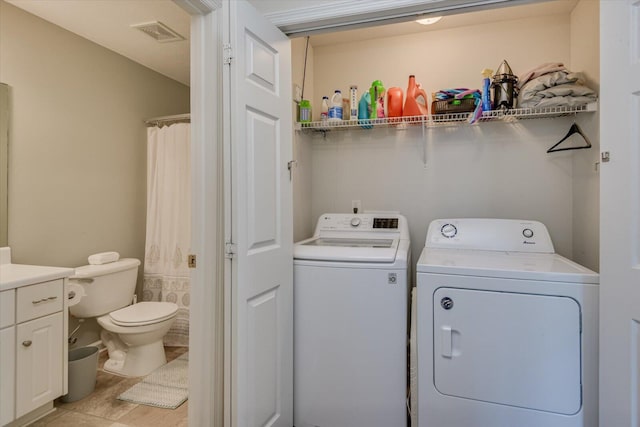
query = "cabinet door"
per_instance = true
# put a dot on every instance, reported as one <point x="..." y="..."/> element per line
<point x="39" y="347"/>
<point x="7" y="372"/>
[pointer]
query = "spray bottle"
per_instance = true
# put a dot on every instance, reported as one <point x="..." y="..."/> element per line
<point x="376" y="92"/>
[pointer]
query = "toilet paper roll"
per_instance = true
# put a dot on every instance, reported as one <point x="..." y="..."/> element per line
<point x="75" y="293"/>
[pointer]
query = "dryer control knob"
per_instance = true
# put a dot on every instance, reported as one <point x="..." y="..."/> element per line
<point x="449" y="231"/>
<point x="528" y="233"/>
<point x="355" y="222"/>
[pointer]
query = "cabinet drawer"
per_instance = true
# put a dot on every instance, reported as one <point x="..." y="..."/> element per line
<point x="7" y="308"/>
<point x="39" y="300"/>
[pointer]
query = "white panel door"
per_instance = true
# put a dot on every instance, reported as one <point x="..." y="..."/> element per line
<point x="258" y="80"/>
<point x="39" y="347"/>
<point x="620" y="213"/>
<point x="507" y="348"/>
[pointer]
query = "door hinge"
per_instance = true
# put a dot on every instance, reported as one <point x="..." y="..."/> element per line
<point x="290" y="165"/>
<point x="229" y="250"/>
<point x="191" y="261"/>
<point x="227" y="55"/>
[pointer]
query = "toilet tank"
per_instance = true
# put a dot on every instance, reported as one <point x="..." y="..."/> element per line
<point x="107" y="287"/>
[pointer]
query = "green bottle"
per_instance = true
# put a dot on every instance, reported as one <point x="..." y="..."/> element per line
<point x="376" y="92"/>
<point x="305" y="111"/>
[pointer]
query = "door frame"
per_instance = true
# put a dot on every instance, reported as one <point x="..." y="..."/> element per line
<point x="208" y="319"/>
<point x="207" y="349"/>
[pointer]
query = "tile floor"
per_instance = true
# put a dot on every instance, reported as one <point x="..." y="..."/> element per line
<point x="102" y="408"/>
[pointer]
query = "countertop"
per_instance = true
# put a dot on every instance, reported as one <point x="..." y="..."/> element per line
<point x="16" y="275"/>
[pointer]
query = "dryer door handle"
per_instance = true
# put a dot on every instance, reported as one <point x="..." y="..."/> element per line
<point x="447" y="343"/>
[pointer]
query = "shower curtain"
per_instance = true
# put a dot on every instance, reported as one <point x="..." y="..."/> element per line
<point x="168" y="240"/>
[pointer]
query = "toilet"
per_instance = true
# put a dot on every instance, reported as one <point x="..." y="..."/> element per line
<point x="132" y="332"/>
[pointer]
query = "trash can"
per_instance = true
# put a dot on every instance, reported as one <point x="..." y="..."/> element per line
<point x="83" y="366"/>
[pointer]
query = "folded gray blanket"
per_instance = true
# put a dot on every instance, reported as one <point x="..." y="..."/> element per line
<point x="541" y="70"/>
<point x="555" y="89"/>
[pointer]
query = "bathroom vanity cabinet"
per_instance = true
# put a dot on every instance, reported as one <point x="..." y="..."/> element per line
<point x="39" y="345"/>
<point x="33" y="341"/>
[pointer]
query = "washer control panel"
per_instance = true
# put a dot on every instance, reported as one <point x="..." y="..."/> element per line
<point x="367" y="222"/>
<point x="489" y="234"/>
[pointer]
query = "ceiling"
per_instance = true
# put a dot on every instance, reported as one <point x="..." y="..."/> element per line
<point x="109" y="24"/>
<point x="452" y="21"/>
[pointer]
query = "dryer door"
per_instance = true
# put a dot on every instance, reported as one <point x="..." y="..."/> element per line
<point x="512" y="349"/>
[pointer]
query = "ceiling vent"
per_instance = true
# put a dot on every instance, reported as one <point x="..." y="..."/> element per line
<point x="159" y="32"/>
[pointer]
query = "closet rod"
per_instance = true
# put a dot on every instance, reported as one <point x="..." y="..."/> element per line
<point x="167" y="120"/>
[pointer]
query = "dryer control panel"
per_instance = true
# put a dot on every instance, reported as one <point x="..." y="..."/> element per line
<point x="489" y="234"/>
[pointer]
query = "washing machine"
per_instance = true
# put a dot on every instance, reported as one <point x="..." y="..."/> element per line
<point x="351" y="292"/>
<point x="507" y="330"/>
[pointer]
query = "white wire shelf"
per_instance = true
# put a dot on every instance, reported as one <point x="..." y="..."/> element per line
<point x="440" y="120"/>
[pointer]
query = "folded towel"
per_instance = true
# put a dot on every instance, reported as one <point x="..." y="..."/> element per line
<point x="104" y="258"/>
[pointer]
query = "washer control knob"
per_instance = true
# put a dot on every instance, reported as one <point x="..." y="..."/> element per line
<point x="528" y="233"/>
<point x="355" y="222"/>
<point x="449" y="231"/>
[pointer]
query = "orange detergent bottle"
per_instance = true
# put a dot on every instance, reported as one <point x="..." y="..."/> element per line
<point x="394" y="102"/>
<point x="416" y="102"/>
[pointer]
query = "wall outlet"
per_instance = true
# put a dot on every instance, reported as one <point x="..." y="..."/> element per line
<point x="297" y="93"/>
<point x="356" y="206"/>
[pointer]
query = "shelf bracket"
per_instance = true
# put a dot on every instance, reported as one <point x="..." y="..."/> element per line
<point x="424" y="143"/>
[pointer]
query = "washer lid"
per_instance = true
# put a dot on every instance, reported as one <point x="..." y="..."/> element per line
<point x="510" y="265"/>
<point x="143" y="313"/>
<point x="347" y="249"/>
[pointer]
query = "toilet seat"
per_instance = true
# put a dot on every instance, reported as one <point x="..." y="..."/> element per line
<point x="143" y="313"/>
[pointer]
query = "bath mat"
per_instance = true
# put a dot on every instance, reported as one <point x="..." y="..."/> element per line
<point x="166" y="387"/>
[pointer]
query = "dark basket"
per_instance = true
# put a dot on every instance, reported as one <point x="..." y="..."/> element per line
<point x="449" y="106"/>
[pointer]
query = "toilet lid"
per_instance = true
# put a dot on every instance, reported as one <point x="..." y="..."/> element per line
<point x="143" y="313"/>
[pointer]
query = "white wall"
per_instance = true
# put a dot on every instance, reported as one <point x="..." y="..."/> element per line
<point x="302" y="217"/>
<point x="585" y="57"/>
<point x="77" y="143"/>
<point x="487" y="170"/>
<point x="77" y="180"/>
<point x="441" y="59"/>
<point x="496" y="170"/>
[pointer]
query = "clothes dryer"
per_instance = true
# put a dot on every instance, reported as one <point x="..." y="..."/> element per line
<point x="350" y="322"/>
<point x="507" y="330"/>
